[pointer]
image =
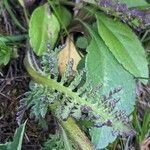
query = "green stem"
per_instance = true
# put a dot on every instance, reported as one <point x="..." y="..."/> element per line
<point x="13" y="38"/>
<point x="76" y="134"/>
<point x="26" y="15"/>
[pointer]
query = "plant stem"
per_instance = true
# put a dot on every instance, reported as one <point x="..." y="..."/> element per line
<point x="13" y="38"/>
<point x="26" y="15"/>
<point x="76" y="134"/>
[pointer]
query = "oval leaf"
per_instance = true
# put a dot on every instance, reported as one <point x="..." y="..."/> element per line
<point x="64" y="16"/>
<point x="124" y="45"/>
<point x="82" y="42"/>
<point x="43" y="28"/>
<point x="102" y="67"/>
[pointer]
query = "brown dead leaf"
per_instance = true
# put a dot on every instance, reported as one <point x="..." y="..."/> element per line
<point x="68" y="52"/>
<point x="145" y="144"/>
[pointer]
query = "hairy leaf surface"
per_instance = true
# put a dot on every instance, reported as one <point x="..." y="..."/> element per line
<point x="124" y="45"/>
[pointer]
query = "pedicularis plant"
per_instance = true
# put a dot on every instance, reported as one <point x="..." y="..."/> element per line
<point x="89" y="80"/>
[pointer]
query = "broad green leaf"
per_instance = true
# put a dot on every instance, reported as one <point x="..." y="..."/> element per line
<point x="124" y="45"/>
<point x="82" y="42"/>
<point x="134" y="3"/>
<point x="17" y="140"/>
<point x="64" y="16"/>
<point x="5" y="54"/>
<point x="102" y="67"/>
<point x="43" y="28"/>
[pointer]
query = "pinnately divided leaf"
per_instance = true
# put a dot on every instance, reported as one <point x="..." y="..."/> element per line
<point x="77" y="99"/>
<point x="124" y="45"/>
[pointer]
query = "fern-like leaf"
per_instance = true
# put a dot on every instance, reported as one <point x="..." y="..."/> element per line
<point x="77" y="99"/>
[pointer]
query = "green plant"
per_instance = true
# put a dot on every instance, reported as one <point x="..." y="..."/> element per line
<point x="5" y="53"/>
<point x="75" y="98"/>
<point x="16" y="144"/>
<point x="143" y="129"/>
<point x="98" y="91"/>
<point x="70" y="95"/>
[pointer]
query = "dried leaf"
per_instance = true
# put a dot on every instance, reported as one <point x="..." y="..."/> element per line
<point x="68" y="52"/>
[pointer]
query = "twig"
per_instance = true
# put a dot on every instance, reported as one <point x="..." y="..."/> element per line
<point x="5" y="96"/>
